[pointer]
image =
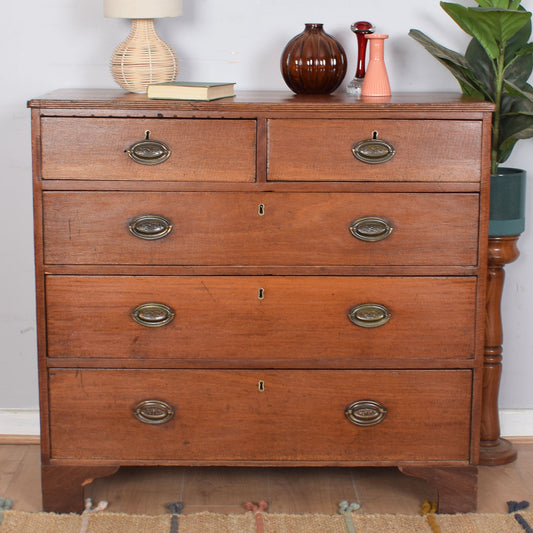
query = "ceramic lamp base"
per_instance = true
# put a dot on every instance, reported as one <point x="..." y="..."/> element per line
<point x="143" y="58"/>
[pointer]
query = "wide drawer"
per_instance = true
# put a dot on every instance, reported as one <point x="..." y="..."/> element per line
<point x="260" y="416"/>
<point x="421" y="150"/>
<point x="271" y="320"/>
<point x="260" y="228"/>
<point x="161" y="149"/>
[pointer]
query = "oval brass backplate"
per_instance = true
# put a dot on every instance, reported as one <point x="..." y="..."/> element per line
<point x="369" y="315"/>
<point x="153" y="315"/>
<point x="150" y="227"/>
<point x="371" y="229"/>
<point x="153" y="412"/>
<point x="149" y="151"/>
<point x="373" y="151"/>
<point x="365" y="413"/>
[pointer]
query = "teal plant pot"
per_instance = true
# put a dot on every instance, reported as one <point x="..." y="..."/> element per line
<point x="507" y="214"/>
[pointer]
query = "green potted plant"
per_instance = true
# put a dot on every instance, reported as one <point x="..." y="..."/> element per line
<point x="496" y="67"/>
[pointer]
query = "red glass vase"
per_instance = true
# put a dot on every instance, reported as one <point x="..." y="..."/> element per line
<point x="313" y="62"/>
<point x="361" y="29"/>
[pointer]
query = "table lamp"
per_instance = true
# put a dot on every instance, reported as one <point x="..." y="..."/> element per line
<point x="143" y="58"/>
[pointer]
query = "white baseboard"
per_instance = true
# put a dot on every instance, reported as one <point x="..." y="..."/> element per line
<point x="516" y="422"/>
<point x="19" y="422"/>
<point x="513" y="422"/>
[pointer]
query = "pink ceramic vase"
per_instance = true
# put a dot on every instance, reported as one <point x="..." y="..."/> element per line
<point x="376" y="81"/>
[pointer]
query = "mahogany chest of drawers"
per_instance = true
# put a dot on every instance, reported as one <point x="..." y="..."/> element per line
<point x="263" y="280"/>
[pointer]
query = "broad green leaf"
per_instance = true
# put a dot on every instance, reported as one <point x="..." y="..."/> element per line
<point x="519" y="71"/>
<point x="526" y="50"/>
<point x="502" y="23"/>
<point x="517" y="42"/>
<point x="521" y="127"/>
<point x="492" y="27"/>
<point x="517" y="91"/>
<point x="500" y="4"/>
<point x="516" y="121"/>
<point x="437" y="50"/>
<point x="468" y="90"/>
<point x="463" y="18"/>
<point x="527" y="131"/>
<point x="482" y="67"/>
<point x="505" y="149"/>
<point x="467" y="21"/>
<point x="454" y="62"/>
<point x="508" y="102"/>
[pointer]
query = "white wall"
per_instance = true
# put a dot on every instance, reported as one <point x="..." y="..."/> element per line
<point x="67" y="43"/>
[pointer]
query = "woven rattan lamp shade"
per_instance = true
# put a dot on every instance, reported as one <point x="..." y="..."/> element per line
<point x="143" y="58"/>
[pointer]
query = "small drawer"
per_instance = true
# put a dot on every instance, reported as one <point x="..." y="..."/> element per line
<point x="257" y="417"/>
<point x="271" y="320"/>
<point x="374" y="150"/>
<point x="148" y="149"/>
<point x="287" y="229"/>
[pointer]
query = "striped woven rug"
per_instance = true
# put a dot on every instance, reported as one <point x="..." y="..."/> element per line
<point x="262" y="522"/>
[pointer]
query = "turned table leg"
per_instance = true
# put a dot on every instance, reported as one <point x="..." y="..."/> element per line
<point x="62" y="486"/>
<point x="493" y="449"/>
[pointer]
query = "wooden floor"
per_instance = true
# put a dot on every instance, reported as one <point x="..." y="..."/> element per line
<point x="292" y="490"/>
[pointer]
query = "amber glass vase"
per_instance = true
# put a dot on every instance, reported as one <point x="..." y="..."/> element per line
<point x="313" y="62"/>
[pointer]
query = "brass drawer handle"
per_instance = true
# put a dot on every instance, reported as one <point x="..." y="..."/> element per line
<point x="369" y="315"/>
<point x="365" y="413"/>
<point x="153" y="412"/>
<point x="149" y="151"/>
<point x="153" y="315"/>
<point x="150" y="227"/>
<point x="373" y="151"/>
<point x="371" y="229"/>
